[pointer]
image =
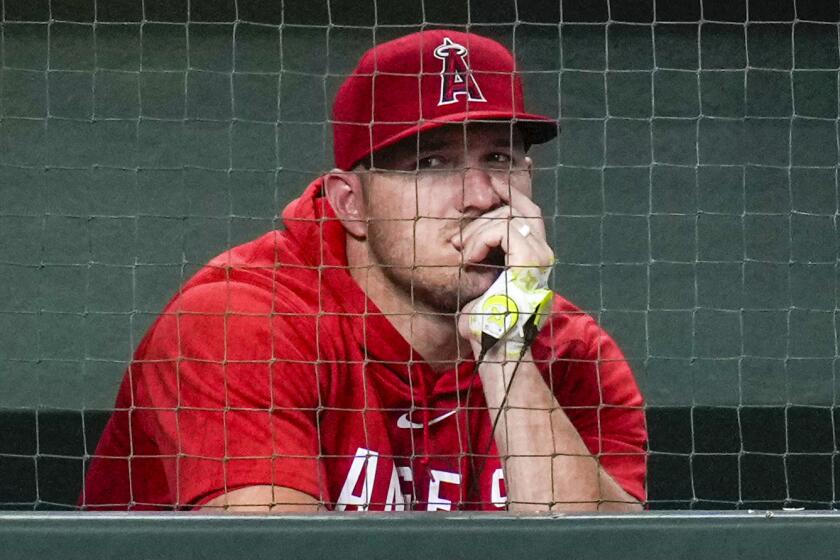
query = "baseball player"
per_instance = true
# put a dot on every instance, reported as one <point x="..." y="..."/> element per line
<point x="395" y="346"/>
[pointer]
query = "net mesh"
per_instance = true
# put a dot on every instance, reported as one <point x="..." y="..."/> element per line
<point x="691" y="201"/>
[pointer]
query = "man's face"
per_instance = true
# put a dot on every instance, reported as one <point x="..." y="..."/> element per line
<point x="420" y="194"/>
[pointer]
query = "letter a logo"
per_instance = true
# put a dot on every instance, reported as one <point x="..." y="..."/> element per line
<point x="455" y="76"/>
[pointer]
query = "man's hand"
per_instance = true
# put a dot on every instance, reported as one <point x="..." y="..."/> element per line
<point x="518" y="230"/>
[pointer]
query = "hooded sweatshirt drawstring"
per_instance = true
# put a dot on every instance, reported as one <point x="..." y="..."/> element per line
<point x="424" y="402"/>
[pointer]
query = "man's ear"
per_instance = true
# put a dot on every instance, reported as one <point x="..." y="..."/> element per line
<point x="344" y="193"/>
<point x="530" y="164"/>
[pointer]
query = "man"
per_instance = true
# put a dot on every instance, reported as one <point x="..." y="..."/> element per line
<point x="348" y="362"/>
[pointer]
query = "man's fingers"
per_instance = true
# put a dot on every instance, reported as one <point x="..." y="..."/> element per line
<point x="504" y="215"/>
<point x="515" y="238"/>
<point x="518" y="200"/>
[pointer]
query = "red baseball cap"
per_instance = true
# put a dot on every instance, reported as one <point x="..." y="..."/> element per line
<point x="425" y="80"/>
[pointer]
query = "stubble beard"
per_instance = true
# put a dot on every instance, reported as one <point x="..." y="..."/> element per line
<point x="440" y="288"/>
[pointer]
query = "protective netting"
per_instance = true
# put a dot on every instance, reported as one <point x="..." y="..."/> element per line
<point x="691" y="201"/>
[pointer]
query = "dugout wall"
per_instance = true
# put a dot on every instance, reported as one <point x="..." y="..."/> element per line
<point x="692" y="199"/>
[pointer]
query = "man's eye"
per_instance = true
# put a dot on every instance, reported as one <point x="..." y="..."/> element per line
<point x="499" y="157"/>
<point x="431" y="162"/>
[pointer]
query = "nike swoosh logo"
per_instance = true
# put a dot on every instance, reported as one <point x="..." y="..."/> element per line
<point x="405" y="423"/>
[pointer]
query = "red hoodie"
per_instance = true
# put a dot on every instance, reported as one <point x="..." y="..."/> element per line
<point x="271" y="366"/>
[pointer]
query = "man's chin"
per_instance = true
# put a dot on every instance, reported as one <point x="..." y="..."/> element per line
<point x="470" y="285"/>
<point x="449" y="293"/>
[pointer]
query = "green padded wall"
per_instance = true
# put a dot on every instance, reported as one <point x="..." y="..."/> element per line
<point x="421" y="536"/>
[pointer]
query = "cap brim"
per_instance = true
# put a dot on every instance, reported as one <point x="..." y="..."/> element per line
<point x="536" y="129"/>
<point x="539" y="130"/>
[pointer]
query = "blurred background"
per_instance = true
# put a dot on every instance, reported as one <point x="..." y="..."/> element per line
<point x="691" y="199"/>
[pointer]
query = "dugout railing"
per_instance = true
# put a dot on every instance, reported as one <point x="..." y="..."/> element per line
<point x="745" y="535"/>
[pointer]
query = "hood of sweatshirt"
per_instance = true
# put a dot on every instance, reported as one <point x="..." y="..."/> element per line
<point x="317" y="239"/>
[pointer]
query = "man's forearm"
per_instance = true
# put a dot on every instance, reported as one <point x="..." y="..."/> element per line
<point x="547" y="465"/>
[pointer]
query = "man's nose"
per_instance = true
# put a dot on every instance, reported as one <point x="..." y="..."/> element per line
<point x="478" y="193"/>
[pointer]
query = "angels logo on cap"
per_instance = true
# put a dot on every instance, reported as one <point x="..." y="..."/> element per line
<point x="455" y="76"/>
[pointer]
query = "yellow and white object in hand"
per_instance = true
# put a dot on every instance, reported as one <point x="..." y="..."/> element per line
<point x="513" y="309"/>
